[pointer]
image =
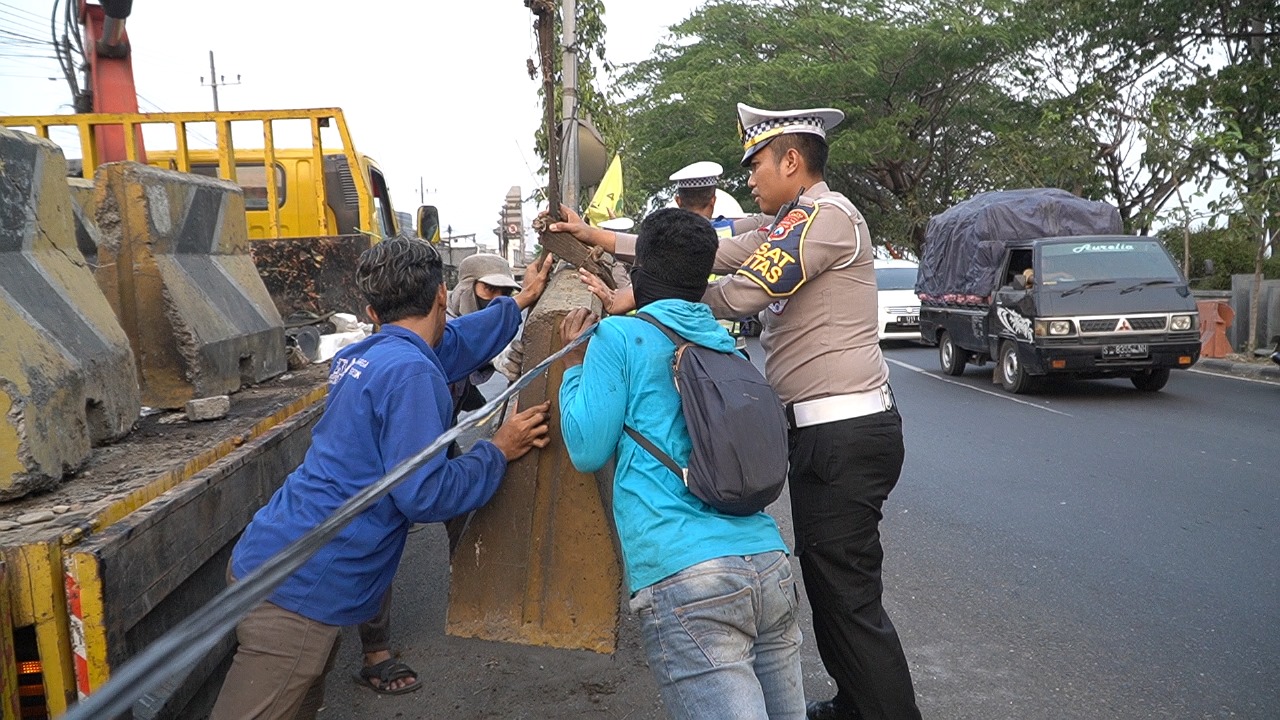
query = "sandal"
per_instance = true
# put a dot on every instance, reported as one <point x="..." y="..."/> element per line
<point x="387" y="672"/>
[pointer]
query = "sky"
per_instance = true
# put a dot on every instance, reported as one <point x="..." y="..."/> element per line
<point x="436" y="93"/>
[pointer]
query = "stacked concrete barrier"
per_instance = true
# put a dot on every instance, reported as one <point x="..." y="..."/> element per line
<point x="67" y="378"/>
<point x="174" y="261"/>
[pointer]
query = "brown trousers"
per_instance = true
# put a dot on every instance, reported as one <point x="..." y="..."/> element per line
<point x="279" y="669"/>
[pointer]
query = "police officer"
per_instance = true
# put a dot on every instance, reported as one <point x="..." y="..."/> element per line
<point x="696" y="192"/>
<point x="808" y="264"/>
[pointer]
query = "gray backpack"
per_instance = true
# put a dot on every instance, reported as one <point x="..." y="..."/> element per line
<point x="736" y="423"/>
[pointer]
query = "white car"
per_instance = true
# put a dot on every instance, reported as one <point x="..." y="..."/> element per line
<point x="899" y="316"/>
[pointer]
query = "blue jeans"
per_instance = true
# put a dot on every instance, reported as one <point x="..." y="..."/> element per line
<point x="723" y="639"/>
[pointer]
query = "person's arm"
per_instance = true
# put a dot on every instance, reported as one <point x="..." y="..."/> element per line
<point x="593" y="399"/>
<point x="473" y="340"/>
<point x="809" y="241"/>
<point x="442" y="488"/>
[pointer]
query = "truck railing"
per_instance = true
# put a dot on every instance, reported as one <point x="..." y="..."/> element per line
<point x="89" y="126"/>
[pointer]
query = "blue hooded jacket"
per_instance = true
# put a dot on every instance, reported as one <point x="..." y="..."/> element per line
<point x="388" y="399"/>
<point x="626" y="378"/>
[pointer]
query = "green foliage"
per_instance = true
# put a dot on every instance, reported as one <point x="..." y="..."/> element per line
<point x="1231" y="255"/>
<point x="930" y="119"/>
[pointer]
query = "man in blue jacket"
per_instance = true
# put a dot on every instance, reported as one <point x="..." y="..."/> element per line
<point x="714" y="592"/>
<point x="388" y="399"/>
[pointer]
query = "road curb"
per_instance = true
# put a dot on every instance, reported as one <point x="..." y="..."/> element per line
<point x="1269" y="373"/>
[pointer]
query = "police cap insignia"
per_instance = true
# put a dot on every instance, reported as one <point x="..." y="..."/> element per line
<point x="756" y="127"/>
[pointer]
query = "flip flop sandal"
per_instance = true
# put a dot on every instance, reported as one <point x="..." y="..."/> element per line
<point x="387" y="672"/>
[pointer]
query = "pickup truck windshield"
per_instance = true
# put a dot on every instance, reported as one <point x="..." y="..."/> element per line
<point x="1086" y="261"/>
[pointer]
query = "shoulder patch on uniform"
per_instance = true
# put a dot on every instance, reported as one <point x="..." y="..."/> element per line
<point x="778" y="264"/>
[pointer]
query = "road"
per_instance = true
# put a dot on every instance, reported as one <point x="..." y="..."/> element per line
<point x="1086" y="552"/>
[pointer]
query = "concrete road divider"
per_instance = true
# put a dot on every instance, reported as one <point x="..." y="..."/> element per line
<point x="538" y="564"/>
<point x="67" y="378"/>
<point x="174" y="262"/>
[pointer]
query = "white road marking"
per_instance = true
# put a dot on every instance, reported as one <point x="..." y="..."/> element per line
<point x="1002" y="396"/>
<point x="1212" y="373"/>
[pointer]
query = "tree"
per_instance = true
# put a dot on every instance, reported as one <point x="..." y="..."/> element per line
<point x="929" y="120"/>
<point x="1222" y="73"/>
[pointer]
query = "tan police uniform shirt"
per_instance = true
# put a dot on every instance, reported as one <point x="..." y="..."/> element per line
<point x="813" y="277"/>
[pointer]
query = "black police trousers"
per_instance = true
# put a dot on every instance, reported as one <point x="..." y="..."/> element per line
<point x="841" y="474"/>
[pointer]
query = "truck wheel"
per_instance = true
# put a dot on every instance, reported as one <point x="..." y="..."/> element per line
<point x="1151" y="380"/>
<point x="1013" y="377"/>
<point x="951" y="358"/>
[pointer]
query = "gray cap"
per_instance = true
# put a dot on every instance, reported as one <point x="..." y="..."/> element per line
<point x="489" y="269"/>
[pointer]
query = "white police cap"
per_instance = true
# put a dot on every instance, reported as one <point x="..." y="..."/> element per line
<point x="620" y="224"/>
<point x="757" y="127"/>
<point x="698" y="175"/>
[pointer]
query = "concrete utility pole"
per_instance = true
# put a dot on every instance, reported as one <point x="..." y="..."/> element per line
<point x="215" y="81"/>
<point x="569" y="71"/>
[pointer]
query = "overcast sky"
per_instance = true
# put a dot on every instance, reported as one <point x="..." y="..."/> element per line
<point x="437" y="93"/>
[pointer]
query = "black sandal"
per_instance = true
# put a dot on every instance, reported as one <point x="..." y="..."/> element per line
<point x="387" y="672"/>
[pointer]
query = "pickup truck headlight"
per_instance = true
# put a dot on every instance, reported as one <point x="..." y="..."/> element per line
<point x="1054" y="328"/>
<point x="1183" y="322"/>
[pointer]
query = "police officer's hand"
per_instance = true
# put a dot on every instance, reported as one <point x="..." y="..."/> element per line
<point x="614" y="302"/>
<point x="573" y="325"/>
<point x="535" y="281"/>
<point x="524" y="431"/>
<point x="574" y="225"/>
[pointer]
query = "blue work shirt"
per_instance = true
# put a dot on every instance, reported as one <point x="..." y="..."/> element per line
<point x="388" y="399"/>
<point x="626" y="378"/>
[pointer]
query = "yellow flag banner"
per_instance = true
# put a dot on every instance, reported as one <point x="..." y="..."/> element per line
<point x="607" y="202"/>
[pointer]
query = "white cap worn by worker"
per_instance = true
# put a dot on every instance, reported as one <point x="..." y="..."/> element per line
<point x="698" y="175"/>
<point x="757" y="127"/>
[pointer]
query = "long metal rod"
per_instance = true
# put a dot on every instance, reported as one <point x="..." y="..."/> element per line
<point x="190" y="640"/>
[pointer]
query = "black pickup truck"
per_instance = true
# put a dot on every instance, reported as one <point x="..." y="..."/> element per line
<point x="1083" y="305"/>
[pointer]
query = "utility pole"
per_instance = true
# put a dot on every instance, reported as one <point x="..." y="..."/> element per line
<point x="569" y="68"/>
<point x="215" y="80"/>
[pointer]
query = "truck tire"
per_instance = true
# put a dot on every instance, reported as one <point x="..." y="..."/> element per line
<point x="1013" y="377"/>
<point x="950" y="357"/>
<point x="1151" y="380"/>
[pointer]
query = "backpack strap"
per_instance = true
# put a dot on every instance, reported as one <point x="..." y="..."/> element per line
<point x="662" y="457"/>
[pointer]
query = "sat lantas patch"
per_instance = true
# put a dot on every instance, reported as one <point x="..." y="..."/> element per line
<point x="778" y="264"/>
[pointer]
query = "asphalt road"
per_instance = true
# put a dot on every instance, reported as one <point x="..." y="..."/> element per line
<point x="1086" y="552"/>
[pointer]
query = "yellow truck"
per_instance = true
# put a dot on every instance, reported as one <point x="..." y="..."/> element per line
<point x="325" y="206"/>
<point x="138" y="536"/>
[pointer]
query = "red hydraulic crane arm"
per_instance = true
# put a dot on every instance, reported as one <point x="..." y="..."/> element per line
<point x="110" y="72"/>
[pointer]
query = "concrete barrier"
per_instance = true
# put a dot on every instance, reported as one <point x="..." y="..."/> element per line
<point x="538" y="564"/>
<point x="174" y="263"/>
<point x="67" y="378"/>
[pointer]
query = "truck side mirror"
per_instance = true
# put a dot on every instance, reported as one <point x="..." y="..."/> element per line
<point x="1019" y="282"/>
<point x="429" y="223"/>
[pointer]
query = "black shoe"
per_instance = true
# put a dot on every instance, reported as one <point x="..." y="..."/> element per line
<point x="829" y="710"/>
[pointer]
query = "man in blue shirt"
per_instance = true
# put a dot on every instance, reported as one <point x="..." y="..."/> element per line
<point x="714" y="592"/>
<point x="388" y="398"/>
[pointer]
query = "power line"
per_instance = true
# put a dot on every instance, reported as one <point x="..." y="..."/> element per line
<point x="22" y="11"/>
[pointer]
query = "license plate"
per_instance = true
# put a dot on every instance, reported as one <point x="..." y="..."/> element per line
<point x="1133" y="350"/>
<point x="908" y="319"/>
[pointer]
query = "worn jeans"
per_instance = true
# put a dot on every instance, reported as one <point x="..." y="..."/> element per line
<point x="723" y="639"/>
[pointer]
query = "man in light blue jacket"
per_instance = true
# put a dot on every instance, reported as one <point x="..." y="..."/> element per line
<point x="715" y="594"/>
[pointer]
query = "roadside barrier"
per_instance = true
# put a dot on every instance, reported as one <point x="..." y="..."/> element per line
<point x="188" y="642"/>
<point x="174" y="262"/>
<point x="67" y="377"/>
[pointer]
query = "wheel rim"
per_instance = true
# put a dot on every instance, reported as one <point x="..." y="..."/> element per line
<point x="1010" y="366"/>
<point x="948" y="352"/>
